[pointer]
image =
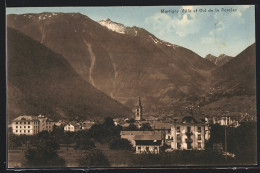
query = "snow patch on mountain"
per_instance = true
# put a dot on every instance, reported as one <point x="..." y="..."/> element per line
<point x="113" y="26"/>
<point x="156" y="41"/>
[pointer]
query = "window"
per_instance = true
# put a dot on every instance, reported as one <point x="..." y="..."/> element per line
<point x="20" y="131"/>
<point x="20" y="127"/>
<point x="147" y="148"/>
<point x="199" y="137"/>
<point x="179" y="145"/>
<point x="188" y="145"/>
<point x="199" y="144"/>
<point x="178" y="137"/>
<point x="16" y="130"/>
<point x="25" y="131"/>
<point x="188" y="129"/>
<point x="199" y="129"/>
<point x="28" y="131"/>
<point x="24" y="122"/>
<point x="28" y="122"/>
<point x="28" y="126"/>
<point x="139" y="148"/>
<point x="16" y="126"/>
<point x="178" y="129"/>
<point x="16" y="122"/>
<point x="20" y="122"/>
<point x="24" y="126"/>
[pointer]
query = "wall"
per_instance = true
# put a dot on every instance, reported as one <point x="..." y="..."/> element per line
<point x="142" y="149"/>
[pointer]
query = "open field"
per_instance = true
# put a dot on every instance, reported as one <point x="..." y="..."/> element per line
<point x="117" y="158"/>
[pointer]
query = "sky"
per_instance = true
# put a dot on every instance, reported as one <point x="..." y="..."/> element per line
<point x="203" y="29"/>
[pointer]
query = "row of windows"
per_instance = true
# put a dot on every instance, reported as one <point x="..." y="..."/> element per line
<point x="30" y="122"/>
<point x="147" y="148"/>
<point x="36" y="127"/>
<point x="23" y="127"/>
<point x="26" y="122"/>
<point x="179" y="137"/>
<point x="188" y="129"/>
<point x="23" y="131"/>
<point x="189" y="146"/>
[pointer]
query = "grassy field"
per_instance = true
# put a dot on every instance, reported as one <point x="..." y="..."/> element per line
<point x="16" y="157"/>
<point x="117" y="158"/>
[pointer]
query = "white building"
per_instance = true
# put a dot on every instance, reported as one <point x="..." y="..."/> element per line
<point x="148" y="143"/>
<point x="30" y="125"/>
<point x="189" y="133"/>
<point x="226" y="120"/>
<point x="71" y="127"/>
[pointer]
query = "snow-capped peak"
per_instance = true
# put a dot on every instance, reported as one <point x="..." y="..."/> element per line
<point x="113" y="26"/>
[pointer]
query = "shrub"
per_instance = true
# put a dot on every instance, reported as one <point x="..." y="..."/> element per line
<point x="94" y="158"/>
<point x="118" y="143"/>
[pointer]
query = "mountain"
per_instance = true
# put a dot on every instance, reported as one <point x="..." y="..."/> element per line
<point x="123" y="65"/>
<point x="211" y="58"/>
<point x="220" y="60"/>
<point x="233" y="85"/>
<point x="41" y="81"/>
<point x="127" y="62"/>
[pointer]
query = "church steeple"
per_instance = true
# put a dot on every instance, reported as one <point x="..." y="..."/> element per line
<point x="140" y="104"/>
<point x="139" y="111"/>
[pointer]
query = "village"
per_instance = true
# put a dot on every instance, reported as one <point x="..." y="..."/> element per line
<point x="146" y="136"/>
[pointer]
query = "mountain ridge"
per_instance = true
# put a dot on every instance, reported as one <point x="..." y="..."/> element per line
<point x="42" y="82"/>
<point x="124" y="66"/>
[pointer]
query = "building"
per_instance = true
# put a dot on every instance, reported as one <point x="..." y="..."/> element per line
<point x="189" y="133"/>
<point x="148" y="143"/>
<point x="30" y="125"/>
<point x="165" y="129"/>
<point x="226" y="120"/>
<point x="77" y="126"/>
<point x="139" y="111"/>
<point x="130" y="135"/>
<point x="72" y="127"/>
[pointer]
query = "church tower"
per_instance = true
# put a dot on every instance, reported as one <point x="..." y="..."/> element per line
<point x="139" y="111"/>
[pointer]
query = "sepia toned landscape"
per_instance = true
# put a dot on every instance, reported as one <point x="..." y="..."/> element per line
<point x="86" y="93"/>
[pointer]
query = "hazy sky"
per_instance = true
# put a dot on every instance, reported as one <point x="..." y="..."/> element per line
<point x="198" y="28"/>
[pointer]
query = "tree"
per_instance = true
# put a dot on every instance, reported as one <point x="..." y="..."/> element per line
<point x="94" y="158"/>
<point x="118" y="143"/>
<point x="44" y="153"/>
<point x="14" y="141"/>
<point x="97" y="132"/>
<point x="84" y="141"/>
<point x="108" y="122"/>
<point x="132" y="120"/>
<point x="146" y="127"/>
<point x="131" y="127"/>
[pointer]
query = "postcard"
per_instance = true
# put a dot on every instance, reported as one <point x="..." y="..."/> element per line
<point x="131" y="86"/>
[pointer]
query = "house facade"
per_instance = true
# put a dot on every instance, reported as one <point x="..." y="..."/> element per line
<point x="188" y="133"/>
<point x="148" y="143"/>
<point x="77" y="126"/>
<point x="130" y="135"/>
<point x="165" y="129"/>
<point x="72" y="127"/>
<point x="226" y="120"/>
<point x="30" y="125"/>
